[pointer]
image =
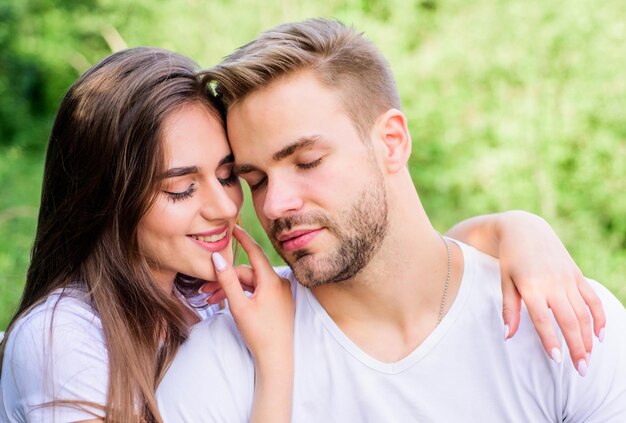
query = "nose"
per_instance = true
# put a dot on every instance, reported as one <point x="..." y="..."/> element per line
<point x="282" y="197"/>
<point x="219" y="203"/>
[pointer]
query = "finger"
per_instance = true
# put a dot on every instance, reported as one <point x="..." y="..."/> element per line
<point x="584" y="319"/>
<point x="246" y="276"/>
<point x="570" y="327"/>
<point x="228" y="280"/>
<point x="216" y="297"/>
<point x="542" y="319"/>
<point x="255" y="253"/>
<point x="219" y="295"/>
<point x="210" y="286"/>
<point x="595" y="307"/>
<point x="511" y="306"/>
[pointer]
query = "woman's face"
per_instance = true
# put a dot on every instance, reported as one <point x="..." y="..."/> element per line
<point x="198" y="201"/>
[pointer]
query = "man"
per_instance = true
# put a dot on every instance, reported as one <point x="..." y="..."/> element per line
<point x="393" y="322"/>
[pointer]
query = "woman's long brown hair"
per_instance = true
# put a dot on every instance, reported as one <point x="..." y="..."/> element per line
<point x="103" y="167"/>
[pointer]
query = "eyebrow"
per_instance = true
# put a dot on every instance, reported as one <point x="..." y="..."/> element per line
<point x="180" y="171"/>
<point x="186" y="170"/>
<point x="282" y="154"/>
<point x="294" y="147"/>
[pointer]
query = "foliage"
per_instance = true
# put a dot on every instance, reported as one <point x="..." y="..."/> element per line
<point x="512" y="104"/>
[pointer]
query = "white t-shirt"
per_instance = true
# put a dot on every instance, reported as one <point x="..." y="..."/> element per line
<point x="463" y="371"/>
<point x="56" y="356"/>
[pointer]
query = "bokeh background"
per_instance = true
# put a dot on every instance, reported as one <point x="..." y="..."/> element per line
<point x="512" y="104"/>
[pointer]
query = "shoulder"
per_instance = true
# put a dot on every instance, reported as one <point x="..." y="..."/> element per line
<point x="212" y="376"/>
<point x="55" y="352"/>
<point x="56" y="325"/>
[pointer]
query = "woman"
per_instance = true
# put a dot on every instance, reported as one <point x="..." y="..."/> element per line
<point x="111" y="203"/>
<point x="138" y="198"/>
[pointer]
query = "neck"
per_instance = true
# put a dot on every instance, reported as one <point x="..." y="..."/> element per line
<point x="400" y="291"/>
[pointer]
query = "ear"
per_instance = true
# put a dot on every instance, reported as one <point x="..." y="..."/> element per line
<point x="392" y="130"/>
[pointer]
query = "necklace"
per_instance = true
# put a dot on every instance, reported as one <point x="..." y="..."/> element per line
<point x="447" y="284"/>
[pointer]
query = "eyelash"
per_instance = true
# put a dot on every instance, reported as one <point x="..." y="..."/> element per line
<point x="231" y="180"/>
<point x="303" y="166"/>
<point x="176" y="196"/>
<point x="310" y="165"/>
<point x="258" y="184"/>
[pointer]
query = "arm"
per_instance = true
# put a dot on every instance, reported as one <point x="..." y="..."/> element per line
<point x="265" y="321"/>
<point x="536" y="267"/>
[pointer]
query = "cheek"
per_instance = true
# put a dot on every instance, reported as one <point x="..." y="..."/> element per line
<point x="162" y="222"/>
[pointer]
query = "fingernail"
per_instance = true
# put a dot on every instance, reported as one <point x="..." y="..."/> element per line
<point x="506" y="331"/>
<point x="601" y="335"/>
<point x="555" y="353"/>
<point x="588" y="357"/>
<point x="582" y="367"/>
<point x="218" y="261"/>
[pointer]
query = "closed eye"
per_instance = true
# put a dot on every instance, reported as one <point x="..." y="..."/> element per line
<point x="257" y="185"/>
<point x="177" y="196"/>
<point x="226" y="175"/>
<point x="231" y="180"/>
<point x="309" y="165"/>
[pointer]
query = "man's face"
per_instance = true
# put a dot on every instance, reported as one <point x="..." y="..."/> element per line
<point x="316" y="186"/>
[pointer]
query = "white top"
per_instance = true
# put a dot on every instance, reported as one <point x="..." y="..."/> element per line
<point x="56" y="356"/>
<point x="463" y="371"/>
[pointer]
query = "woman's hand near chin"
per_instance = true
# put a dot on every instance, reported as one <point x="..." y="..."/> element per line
<point x="265" y="320"/>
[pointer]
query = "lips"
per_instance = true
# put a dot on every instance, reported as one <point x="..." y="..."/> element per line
<point x="215" y="240"/>
<point x="296" y="240"/>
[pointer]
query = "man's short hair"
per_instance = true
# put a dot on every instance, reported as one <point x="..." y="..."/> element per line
<point x="338" y="56"/>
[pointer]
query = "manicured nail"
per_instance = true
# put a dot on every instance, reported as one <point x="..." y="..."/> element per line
<point x="555" y="353"/>
<point x="601" y="335"/>
<point x="506" y="331"/>
<point x="582" y="368"/>
<point x="218" y="261"/>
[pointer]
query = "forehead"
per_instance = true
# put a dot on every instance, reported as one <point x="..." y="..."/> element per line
<point x="290" y="108"/>
<point x="192" y="133"/>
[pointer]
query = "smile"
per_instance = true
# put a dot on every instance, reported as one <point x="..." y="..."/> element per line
<point x="212" y="241"/>
<point x="210" y="238"/>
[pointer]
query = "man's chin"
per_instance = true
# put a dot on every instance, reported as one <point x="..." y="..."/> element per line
<point x="309" y="273"/>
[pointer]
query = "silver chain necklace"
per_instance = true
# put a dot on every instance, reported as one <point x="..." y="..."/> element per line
<point x="447" y="284"/>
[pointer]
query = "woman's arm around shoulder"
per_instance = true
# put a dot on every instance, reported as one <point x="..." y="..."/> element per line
<point x="536" y="267"/>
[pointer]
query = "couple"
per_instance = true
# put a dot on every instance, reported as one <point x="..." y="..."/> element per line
<point x="139" y="203"/>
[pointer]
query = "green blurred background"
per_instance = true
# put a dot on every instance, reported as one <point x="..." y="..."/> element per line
<point x="512" y="104"/>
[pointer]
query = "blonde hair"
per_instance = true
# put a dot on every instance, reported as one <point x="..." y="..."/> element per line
<point x="338" y="56"/>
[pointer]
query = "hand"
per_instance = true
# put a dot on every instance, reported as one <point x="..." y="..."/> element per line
<point x="536" y="267"/>
<point x="217" y="295"/>
<point x="266" y="318"/>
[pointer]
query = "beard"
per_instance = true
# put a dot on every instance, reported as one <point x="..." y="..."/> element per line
<point x="359" y="230"/>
